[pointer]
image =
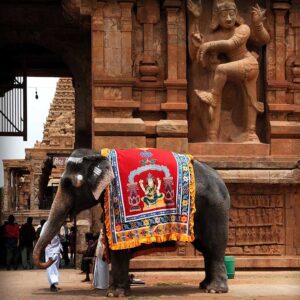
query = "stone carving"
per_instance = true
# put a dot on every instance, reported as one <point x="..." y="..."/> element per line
<point x="256" y="224"/>
<point x="224" y="56"/>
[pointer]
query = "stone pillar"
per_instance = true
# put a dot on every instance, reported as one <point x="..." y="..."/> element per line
<point x="6" y="188"/>
<point x="112" y="80"/>
<point x="176" y="83"/>
<point x="280" y="9"/>
<point x="282" y="81"/>
<point x="35" y="181"/>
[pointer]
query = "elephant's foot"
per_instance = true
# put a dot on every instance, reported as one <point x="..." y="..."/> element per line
<point x="214" y="286"/>
<point x="118" y="293"/>
<point x="203" y="284"/>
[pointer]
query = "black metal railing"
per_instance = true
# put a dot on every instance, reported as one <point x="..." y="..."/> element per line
<point x="13" y="108"/>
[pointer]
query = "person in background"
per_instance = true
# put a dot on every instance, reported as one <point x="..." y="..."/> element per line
<point x="64" y="236"/>
<point x="11" y="236"/>
<point x="101" y="269"/>
<point x="72" y="242"/>
<point x="89" y="254"/>
<point x="53" y="251"/>
<point x="27" y="238"/>
<point x="37" y="234"/>
<point x="39" y="229"/>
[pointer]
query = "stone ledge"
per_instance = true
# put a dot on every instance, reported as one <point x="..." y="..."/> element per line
<point x="242" y="262"/>
<point x="150" y="107"/>
<point x="122" y="104"/>
<point x="172" y="128"/>
<point x="261" y="176"/>
<point x="123" y="142"/>
<point x="291" y="147"/>
<point x="277" y="107"/>
<point x="229" y="149"/>
<point x="248" y="162"/>
<point x="174" y="106"/>
<point x="176" y="84"/>
<point x="113" y="81"/>
<point x="285" y="128"/>
<point x="176" y="144"/>
<point x="114" y="126"/>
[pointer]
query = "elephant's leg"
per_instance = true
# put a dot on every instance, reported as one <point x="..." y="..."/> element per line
<point x="211" y="240"/>
<point x="216" y="272"/>
<point x="204" y="283"/>
<point x="120" y="286"/>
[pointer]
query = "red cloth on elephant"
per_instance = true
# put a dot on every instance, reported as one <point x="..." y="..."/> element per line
<point x="151" y="199"/>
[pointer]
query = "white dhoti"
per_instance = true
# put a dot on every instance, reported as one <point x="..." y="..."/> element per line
<point x="53" y="251"/>
<point x="101" y="270"/>
<point x="101" y="274"/>
<point x="52" y="271"/>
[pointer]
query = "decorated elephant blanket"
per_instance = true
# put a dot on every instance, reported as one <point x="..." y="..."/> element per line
<point x="151" y="199"/>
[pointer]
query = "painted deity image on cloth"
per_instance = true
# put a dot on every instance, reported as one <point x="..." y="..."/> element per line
<point x="151" y="198"/>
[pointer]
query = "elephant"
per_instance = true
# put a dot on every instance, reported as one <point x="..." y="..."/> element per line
<point x="81" y="188"/>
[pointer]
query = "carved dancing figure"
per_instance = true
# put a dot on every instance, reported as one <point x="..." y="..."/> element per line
<point x="229" y="37"/>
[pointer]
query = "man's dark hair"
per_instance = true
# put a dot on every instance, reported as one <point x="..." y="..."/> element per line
<point x="11" y="219"/>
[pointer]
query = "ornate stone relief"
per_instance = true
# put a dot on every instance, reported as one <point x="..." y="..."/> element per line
<point x="256" y="224"/>
<point x="224" y="71"/>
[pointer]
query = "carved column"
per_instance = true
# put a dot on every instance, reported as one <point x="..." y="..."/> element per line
<point x="35" y="181"/>
<point x="283" y="85"/>
<point x="7" y="193"/>
<point x="278" y="82"/>
<point x="280" y="10"/>
<point x="112" y="77"/>
<point x="148" y="14"/>
<point x="174" y="130"/>
<point x="176" y="83"/>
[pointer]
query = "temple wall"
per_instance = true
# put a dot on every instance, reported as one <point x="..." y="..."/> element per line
<point x="143" y="82"/>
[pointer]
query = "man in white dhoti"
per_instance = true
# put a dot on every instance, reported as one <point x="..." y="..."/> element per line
<point x="101" y="270"/>
<point x="53" y="251"/>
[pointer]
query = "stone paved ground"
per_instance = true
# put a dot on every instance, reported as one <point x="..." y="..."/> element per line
<point x="25" y="285"/>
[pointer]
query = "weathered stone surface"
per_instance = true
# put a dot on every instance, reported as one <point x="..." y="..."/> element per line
<point x="285" y="147"/>
<point x="261" y="176"/>
<point x="285" y="129"/>
<point x="230" y="149"/>
<point x="124" y="142"/>
<point x="172" y="128"/>
<point x="118" y="126"/>
<point x="179" y="145"/>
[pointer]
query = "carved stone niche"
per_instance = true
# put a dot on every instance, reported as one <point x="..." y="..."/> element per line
<point x="225" y="95"/>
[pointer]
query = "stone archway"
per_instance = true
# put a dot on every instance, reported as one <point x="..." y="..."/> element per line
<point x="58" y="48"/>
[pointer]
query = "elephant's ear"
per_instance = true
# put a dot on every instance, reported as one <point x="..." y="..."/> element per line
<point x="100" y="174"/>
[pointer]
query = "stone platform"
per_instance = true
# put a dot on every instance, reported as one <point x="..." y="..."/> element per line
<point x="192" y="263"/>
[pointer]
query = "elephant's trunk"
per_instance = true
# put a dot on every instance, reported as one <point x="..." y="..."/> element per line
<point x="58" y="213"/>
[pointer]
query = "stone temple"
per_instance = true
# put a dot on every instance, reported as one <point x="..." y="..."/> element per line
<point x="168" y="74"/>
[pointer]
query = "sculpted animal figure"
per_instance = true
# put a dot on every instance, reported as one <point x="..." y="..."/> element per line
<point x="80" y="187"/>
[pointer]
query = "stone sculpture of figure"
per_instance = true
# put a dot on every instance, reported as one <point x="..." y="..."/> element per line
<point x="228" y="38"/>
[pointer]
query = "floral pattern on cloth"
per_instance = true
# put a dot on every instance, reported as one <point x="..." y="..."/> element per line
<point x="151" y="199"/>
